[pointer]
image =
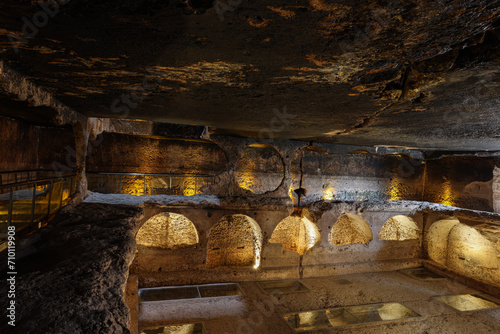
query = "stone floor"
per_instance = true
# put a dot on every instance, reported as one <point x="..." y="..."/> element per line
<point x="260" y="312"/>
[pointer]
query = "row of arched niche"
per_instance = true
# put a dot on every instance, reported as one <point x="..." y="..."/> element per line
<point x="236" y="240"/>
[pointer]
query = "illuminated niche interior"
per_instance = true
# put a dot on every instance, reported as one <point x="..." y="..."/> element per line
<point x="236" y="240"/>
<point x="471" y="251"/>
<point x="436" y="239"/>
<point x="167" y="230"/>
<point x="399" y="228"/>
<point x="468" y="248"/>
<point x="298" y="233"/>
<point x="259" y="168"/>
<point x="350" y="229"/>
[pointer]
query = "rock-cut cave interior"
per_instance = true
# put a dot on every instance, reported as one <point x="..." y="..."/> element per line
<point x="250" y="166"/>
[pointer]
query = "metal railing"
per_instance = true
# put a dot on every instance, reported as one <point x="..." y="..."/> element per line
<point x="27" y="205"/>
<point x="7" y="178"/>
<point x="148" y="184"/>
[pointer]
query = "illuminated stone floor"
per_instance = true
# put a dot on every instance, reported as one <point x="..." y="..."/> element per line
<point x="331" y="300"/>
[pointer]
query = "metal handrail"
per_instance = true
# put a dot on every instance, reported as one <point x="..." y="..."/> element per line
<point x="146" y="188"/>
<point x="155" y="174"/>
<point x="27" y="210"/>
<point x="24" y="183"/>
<point x="28" y="171"/>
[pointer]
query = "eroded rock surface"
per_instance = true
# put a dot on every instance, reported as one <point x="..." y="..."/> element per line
<point x="72" y="274"/>
<point x="414" y="73"/>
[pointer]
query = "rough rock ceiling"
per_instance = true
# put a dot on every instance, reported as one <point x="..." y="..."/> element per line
<point x="420" y="74"/>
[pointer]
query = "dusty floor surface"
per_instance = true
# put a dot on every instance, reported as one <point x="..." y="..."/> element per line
<point x="260" y="312"/>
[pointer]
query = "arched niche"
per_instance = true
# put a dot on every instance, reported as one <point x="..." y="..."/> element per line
<point x="399" y="228"/>
<point x="235" y="241"/>
<point x="459" y="246"/>
<point x="297" y="233"/>
<point x="259" y="168"/>
<point x="167" y="230"/>
<point x="436" y="239"/>
<point x="469" y="250"/>
<point x="350" y="229"/>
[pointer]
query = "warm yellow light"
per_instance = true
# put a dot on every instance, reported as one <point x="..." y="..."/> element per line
<point x="167" y="230"/>
<point x="236" y="240"/>
<point x="260" y="145"/>
<point x="65" y="194"/>
<point x="436" y="239"/>
<point x="399" y="228"/>
<point x="189" y="186"/>
<point x="257" y="262"/>
<point x="350" y="229"/>
<point x="297" y="233"/>
<point x="246" y="180"/>
<point x="133" y="186"/>
<point x="394" y="194"/>
<point x="290" y="193"/>
<point x="470" y="250"/>
<point x="329" y="194"/>
<point x="447" y="197"/>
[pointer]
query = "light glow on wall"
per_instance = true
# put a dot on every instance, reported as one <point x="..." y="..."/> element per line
<point x="447" y="195"/>
<point x="246" y="180"/>
<point x="259" y="168"/>
<point x="189" y="184"/>
<point x="399" y="228"/>
<point x="469" y="250"/>
<point x="257" y="262"/>
<point x="394" y="193"/>
<point x="167" y="230"/>
<point x="437" y="239"/>
<point x="329" y="194"/>
<point x="290" y="192"/>
<point x="133" y="185"/>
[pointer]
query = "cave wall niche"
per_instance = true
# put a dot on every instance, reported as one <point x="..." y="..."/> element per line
<point x="399" y="228"/>
<point x="259" y="168"/>
<point x="298" y="233"/>
<point x="436" y="239"/>
<point x="118" y="154"/>
<point x="468" y="249"/>
<point x="358" y="177"/>
<point x="472" y="251"/>
<point x="167" y="230"/>
<point x="350" y="229"/>
<point x="464" y="182"/>
<point x="235" y="241"/>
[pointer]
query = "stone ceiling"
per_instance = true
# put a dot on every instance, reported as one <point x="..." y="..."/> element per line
<point x="417" y="74"/>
